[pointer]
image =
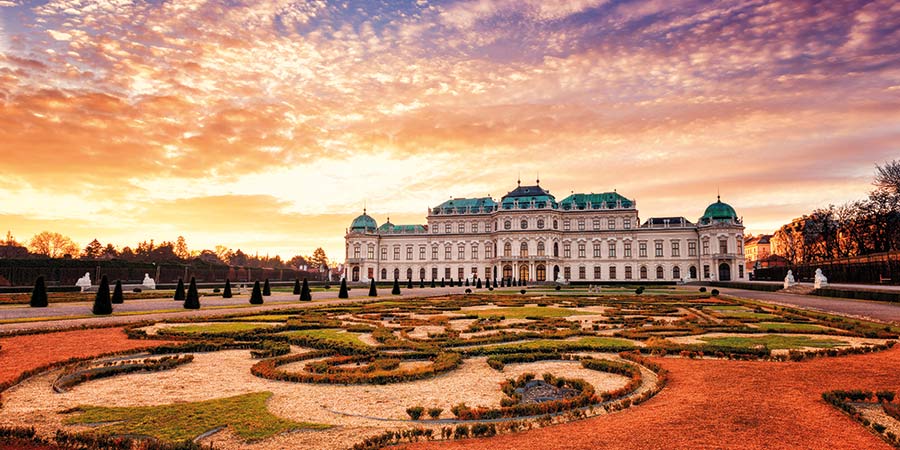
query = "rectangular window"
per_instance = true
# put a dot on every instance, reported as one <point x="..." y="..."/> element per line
<point x="642" y="249"/>
<point x="371" y="253"/>
<point x="566" y="225"/>
<point x="447" y="255"/>
<point x="611" y="224"/>
<point x="356" y="252"/>
<point x="447" y="228"/>
<point x="487" y="273"/>
<point x="581" y="224"/>
<point x="705" y="247"/>
<point x="692" y="248"/>
<point x="567" y="251"/>
<point x="434" y="273"/>
<point x="581" y="251"/>
<point x="723" y="246"/>
<point x="434" y="229"/>
<point x="446" y="272"/>
<point x="462" y="228"/>
<point x="461" y="273"/>
<point x="676" y="249"/>
<point x="475" y="227"/>
<point x="627" y="249"/>
<point x="582" y="273"/>
<point x="475" y="251"/>
<point x="706" y="271"/>
<point x="462" y="253"/>
<point x="567" y="273"/>
<point x="396" y="252"/>
<point x="488" y="250"/>
<point x="384" y="253"/>
<point x="627" y="272"/>
<point x="434" y="251"/>
<point x="596" y="250"/>
<point x="612" y="272"/>
<point x="627" y="224"/>
<point x="740" y="271"/>
<point x="612" y="249"/>
<point x="596" y="224"/>
<point x="487" y="227"/>
<point x="408" y="252"/>
<point x="597" y="272"/>
<point x="658" y="249"/>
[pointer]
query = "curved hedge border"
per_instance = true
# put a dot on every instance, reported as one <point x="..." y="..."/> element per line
<point x="268" y="369"/>
<point x="67" y="381"/>
<point x="843" y="400"/>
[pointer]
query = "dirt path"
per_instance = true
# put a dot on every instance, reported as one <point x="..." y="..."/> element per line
<point x="864" y="309"/>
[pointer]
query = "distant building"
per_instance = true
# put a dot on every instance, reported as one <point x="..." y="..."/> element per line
<point x="530" y="235"/>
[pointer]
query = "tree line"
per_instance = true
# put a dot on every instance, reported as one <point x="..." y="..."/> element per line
<point x="857" y="228"/>
<point x="47" y="244"/>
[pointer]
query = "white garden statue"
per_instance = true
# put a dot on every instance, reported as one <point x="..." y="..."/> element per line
<point x="820" y="280"/>
<point x="84" y="282"/>
<point x="789" y="280"/>
<point x="148" y="282"/>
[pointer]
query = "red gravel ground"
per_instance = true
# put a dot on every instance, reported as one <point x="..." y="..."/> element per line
<point x="21" y="353"/>
<point x="712" y="404"/>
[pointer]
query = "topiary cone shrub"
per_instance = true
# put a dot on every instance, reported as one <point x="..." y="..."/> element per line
<point x="478" y="284"/>
<point x="305" y="294"/>
<point x="421" y="283"/>
<point x="256" y="297"/>
<point x="433" y="284"/>
<point x="639" y="290"/>
<point x="296" y="286"/>
<point x="192" y="301"/>
<point x="343" y="292"/>
<point x="102" y="304"/>
<point x="118" y="297"/>
<point x="467" y="282"/>
<point x="267" y="291"/>
<point x="442" y="283"/>
<point x="409" y="283"/>
<point x="522" y="292"/>
<point x="179" y="290"/>
<point x="396" y="289"/>
<point x="373" y="292"/>
<point x="226" y="293"/>
<point x="39" y="294"/>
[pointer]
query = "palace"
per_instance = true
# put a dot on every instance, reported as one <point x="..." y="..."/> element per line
<point x="529" y="235"/>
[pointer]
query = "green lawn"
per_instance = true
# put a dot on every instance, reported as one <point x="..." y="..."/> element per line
<point x="264" y="318"/>
<point x="334" y="334"/>
<point x="526" y="311"/>
<point x="246" y="415"/>
<point x="739" y="312"/>
<point x="791" y="327"/>
<point x="223" y="327"/>
<point x="774" y="342"/>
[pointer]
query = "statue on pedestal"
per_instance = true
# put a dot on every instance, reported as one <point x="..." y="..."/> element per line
<point x="148" y="282"/>
<point x="820" y="280"/>
<point x="84" y="282"/>
<point x="789" y="280"/>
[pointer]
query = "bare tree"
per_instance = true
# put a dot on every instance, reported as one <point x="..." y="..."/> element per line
<point x="887" y="177"/>
<point x="53" y="245"/>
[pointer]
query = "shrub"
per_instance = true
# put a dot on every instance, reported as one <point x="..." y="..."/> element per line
<point x="715" y="292"/>
<point x="267" y="290"/>
<point x="639" y="290"/>
<point x="226" y="293"/>
<point x="421" y="283"/>
<point x="193" y="297"/>
<point x="326" y="287"/>
<point x="216" y="290"/>
<point x="409" y="283"/>
<point x="478" y="284"/>
<point x="442" y="283"/>
<point x="558" y="287"/>
<point x="137" y="290"/>
<point x="467" y="281"/>
<point x="396" y="289"/>
<point x="102" y="304"/>
<point x="118" y="297"/>
<point x="702" y="288"/>
<point x="305" y="294"/>
<point x="373" y="292"/>
<point x="433" y="283"/>
<point x="490" y="289"/>
<point x="434" y="413"/>
<point x="461" y="431"/>
<point x="179" y="291"/>
<point x="256" y="297"/>
<point x="415" y="412"/>
<point x="522" y="292"/>
<point x="468" y="291"/>
<point x="296" y="286"/>
<point x="343" y="292"/>
<point x="39" y="294"/>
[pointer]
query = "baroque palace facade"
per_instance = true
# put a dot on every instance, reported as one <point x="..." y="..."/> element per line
<point x="528" y="235"/>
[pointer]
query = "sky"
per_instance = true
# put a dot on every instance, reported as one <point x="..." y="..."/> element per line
<point x="268" y="125"/>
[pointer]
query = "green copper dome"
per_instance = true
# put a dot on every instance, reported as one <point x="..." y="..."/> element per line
<point x="719" y="211"/>
<point x="363" y="223"/>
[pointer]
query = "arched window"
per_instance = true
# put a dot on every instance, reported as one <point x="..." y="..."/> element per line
<point x="507" y="249"/>
<point x="384" y="274"/>
<point x="555" y="224"/>
<point x="507" y="225"/>
<point x="540" y="250"/>
<point x="555" y="247"/>
<point x="660" y="274"/>
<point x="541" y="273"/>
<point x="507" y="272"/>
<point x="356" y="273"/>
<point x="693" y="272"/>
<point x="396" y="274"/>
<point x="643" y="272"/>
<point x="523" y="249"/>
<point x="524" y="224"/>
<point x="676" y="273"/>
<point x="409" y="274"/>
<point x="422" y="273"/>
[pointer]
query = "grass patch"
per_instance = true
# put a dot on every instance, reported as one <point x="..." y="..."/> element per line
<point x="246" y="415"/>
<point x="526" y="311"/>
<point x="773" y="342"/>
<point x="791" y="327"/>
<point x="224" y="327"/>
<point x="557" y="344"/>
<point x="332" y="334"/>
<point x="739" y="312"/>
<point x="263" y="318"/>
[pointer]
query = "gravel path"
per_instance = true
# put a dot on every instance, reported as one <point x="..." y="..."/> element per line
<point x="865" y="309"/>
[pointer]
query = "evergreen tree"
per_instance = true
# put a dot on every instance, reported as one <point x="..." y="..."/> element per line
<point x="478" y="284"/>
<point x="192" y="301"/>
<point x="118" y="297"/>
<point x="226" y="293"/>
<point x="396" y="288"/>
<point x="372" y="291"/>
<point x="256" y="297"/>
<point x="409" y="283"/>
<point x="305" y="295"/>
<point x="102" y="304"/>
<point x="39" y="294"/>
<point x="343" y="292"/>
<point x="179" y="290"/>
<point x="267" y="291"/>
<point x="296" y="286"/>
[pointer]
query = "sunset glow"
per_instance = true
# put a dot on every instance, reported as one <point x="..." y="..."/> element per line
<point x="268" y="125"/>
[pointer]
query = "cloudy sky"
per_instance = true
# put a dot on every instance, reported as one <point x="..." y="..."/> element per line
<point x="265" y="125"/>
